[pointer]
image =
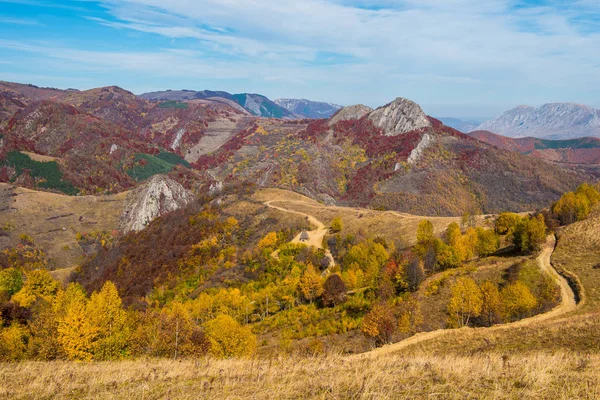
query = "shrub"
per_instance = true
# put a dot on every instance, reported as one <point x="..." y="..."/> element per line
<point x="334" y="291"/>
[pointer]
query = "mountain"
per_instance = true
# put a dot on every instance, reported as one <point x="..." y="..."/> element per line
<point x="459" y="124"/>
<point x="348" y="113"/>
<point x="261" y="106"/>
<point x="394" y="157"/>
<point x="309" y="109"/>
<point x="584" y="151"/>
<point x="255" y="104"/>
<point x="399" y="116"/>
<point x="550" y="121"/>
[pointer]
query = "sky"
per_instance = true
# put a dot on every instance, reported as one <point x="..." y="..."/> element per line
<point x="456" y="58"/>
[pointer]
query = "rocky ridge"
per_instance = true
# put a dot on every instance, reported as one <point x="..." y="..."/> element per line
<point x="149" y="201"/>
<point x="348" y="113"/>
<point x="399" y="116"/>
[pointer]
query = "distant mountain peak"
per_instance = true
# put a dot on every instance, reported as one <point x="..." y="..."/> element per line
<point x="309" y="108"/>
<point x="551" y="121"/>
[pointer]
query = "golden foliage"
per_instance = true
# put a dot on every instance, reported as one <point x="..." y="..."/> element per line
<point x="228" y="338"/>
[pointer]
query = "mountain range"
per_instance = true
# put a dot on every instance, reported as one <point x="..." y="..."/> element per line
<point x="395" y="157"/>
<point x="254" y="104"/>
<point x="550" y="121"/>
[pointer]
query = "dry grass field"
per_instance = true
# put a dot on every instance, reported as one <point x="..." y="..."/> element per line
<point x="543" y="375"/>
<point x="53" y="220"/>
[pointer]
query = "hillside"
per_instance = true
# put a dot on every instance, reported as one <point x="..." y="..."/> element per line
<point x="412" y="164"/>
<point x="549" y="121"/>
<point x="107" y="140"/>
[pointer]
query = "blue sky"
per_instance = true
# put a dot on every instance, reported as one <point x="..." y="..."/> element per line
<point x="461" y="58"/>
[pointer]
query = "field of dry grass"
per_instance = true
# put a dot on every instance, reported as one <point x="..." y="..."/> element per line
<point x="485" y="376"/>
<point x="390" y="225"/>
<point x="53" y="220"/>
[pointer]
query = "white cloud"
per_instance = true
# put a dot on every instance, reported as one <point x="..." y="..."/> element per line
<point x="434" y="51"/>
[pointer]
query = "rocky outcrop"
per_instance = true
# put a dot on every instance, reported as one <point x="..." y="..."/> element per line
<point x="348" y="113"/>
<point x="416" y="154"/>
<point x="399" y="116"/>
<point x="156" y="197"/>
<point x="550" y="121"/>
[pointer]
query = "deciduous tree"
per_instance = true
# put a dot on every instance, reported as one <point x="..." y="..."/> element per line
<point x="228" y="338"/>
<point x="465" y="303"/>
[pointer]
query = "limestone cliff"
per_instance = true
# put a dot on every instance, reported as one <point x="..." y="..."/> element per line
<point x="156" y="197"/>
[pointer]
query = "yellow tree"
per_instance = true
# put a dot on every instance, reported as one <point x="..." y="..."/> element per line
<point x="410" y="314"/>
<point x="517" y="301"/>
<point x="228" y="338"/>
<point x="76" y="334"/>
<point x="336" y="224"/>
<point x="178" y="327"/>
<point x="424" y="236"/>
<point x="465" y="303"/>
<point x="38" y="285"/>
<point x="106" y="314"/>
<point x="487" y="242"/>
<point x="492" y="304"/>
<point x="13" y="342"/>
<point x="311" y="284"/>
<point x="269" y="241"/>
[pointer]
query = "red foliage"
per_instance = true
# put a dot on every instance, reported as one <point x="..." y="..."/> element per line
<point x="315" y="129"/>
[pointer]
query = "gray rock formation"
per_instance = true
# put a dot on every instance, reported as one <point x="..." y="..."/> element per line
<point x="416" y="154"/>
<point x="154" y="198"/>
<point x="399" y="116"/>
<point x="351" y="112"/>
<point x="550" y="121"/>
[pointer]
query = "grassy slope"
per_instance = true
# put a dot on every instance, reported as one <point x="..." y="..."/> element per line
<point x="30" y="210"/>
<point x="484" y="376"/>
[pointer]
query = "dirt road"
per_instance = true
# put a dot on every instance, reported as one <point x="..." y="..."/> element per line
<point x="315" y="236"/>
<point x="566" y="305"/>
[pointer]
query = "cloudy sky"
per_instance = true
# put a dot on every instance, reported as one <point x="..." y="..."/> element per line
<point x="461" y="58"/>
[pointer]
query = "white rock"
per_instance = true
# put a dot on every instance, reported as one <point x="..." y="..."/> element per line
<point x="177" y="140"/>
<point x="154" y="198"/>
<point x="399" y="116"/>
<point x="416" y="154"/>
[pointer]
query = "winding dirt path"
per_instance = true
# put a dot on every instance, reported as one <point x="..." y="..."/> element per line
<point x="567" y="304"/>
<point x="315" y="237"/>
